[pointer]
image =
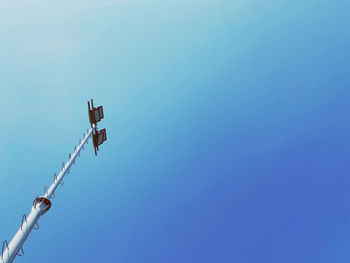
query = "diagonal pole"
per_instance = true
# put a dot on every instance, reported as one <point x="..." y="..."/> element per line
<point x="40" y="206"/>
<point x="51" y="192"/>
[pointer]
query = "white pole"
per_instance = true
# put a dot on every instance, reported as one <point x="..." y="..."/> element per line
<point x="40" y="206"/>
<point x="71" y="160"/>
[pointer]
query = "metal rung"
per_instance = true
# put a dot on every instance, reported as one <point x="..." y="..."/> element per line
<point x="37" y="226"/>
<point x="35" y="202"/>
<point x="24" y="218"/>
<point x="22" y="252"/>
<point x="2" y="251"/>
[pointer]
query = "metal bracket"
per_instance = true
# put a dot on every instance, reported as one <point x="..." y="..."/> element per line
<point x="41" y="200"/>
<point x="54" y="177"/>
<point x="22" y="252"/>
<point x="45" y="190"/>
<point x="2" y="251"/>
<point x="24" y="218"/>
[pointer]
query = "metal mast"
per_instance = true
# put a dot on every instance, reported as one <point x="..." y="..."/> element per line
<point x="42" y="204"/>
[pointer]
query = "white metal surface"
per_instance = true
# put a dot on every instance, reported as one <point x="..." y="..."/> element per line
<point x="39" y="208"/>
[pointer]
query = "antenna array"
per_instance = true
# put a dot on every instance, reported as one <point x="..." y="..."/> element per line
<point x="42" y="204"/>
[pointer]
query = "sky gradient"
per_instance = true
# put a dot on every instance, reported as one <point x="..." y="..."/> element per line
<point x="227" y="125"/>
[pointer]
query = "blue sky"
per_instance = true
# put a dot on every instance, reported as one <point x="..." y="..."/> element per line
<point x="227" y="124"/>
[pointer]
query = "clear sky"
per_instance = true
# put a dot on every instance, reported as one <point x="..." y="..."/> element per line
<point x="227" y="123"/>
